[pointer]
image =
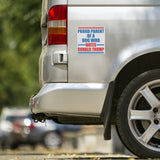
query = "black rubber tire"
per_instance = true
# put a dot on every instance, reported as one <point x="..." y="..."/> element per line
<point x="122" y="112"/>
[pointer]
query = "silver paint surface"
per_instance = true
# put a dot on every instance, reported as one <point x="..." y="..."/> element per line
<point x="132" y="29"/>
<point x="70" y="98"/>
<point x="129" y="33"/>
<point x="49" y="70"/>
<point x="115" y="2"/>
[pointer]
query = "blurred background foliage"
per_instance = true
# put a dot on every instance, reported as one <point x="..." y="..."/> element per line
<point x="20" y="47"/>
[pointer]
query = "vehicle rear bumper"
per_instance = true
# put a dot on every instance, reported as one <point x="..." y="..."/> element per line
<point x="81" y="99"/>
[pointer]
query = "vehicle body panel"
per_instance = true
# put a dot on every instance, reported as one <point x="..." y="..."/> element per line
<point x="131" y="30"/>
<point x="125" y="28"/>
<point x="115" y="2"/>
<point x="51" y="72"/>
<point x="70" y="99"/>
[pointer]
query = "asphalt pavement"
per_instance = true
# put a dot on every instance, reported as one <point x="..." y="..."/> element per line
<point x="40" y="153"/>
<point x="63" y="156"/>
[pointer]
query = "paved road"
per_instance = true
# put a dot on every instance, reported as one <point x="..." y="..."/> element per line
<point x="40" y="153"/>
<point x="39" y="156"/>
<point x="43" y="154"/>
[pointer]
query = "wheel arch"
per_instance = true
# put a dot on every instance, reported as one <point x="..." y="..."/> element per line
<point x="133" y="52"/>
<point x="131" y="70"/>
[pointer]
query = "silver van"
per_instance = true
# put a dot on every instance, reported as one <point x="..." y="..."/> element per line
<point x="100" y="64"/>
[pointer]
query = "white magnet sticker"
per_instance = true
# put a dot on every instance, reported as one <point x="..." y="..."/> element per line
<point x="91" y="40"/>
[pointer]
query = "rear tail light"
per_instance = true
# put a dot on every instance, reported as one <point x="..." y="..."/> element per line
<point x="32" y="126"/>
<point x="57" y="25"/>
<point x="16" y="127"/>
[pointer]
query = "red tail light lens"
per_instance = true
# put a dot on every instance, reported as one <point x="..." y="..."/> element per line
<point x="58" y="13"/>
<point x="57" y="25"/>
<point x="32" y="126"/>
<point x="16" y="127"/>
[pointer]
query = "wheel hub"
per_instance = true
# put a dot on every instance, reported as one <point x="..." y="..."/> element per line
<point x="158" y="116"/>
<point x="156" y="121"/>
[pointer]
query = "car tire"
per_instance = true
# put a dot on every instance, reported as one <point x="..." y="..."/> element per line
<point x="138" y="115"/>
<point x="52" y="140"/>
